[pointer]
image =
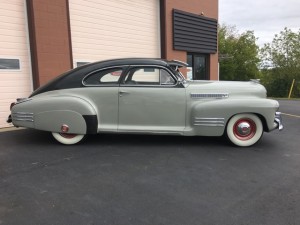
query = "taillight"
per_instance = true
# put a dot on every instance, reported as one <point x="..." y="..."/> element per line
<point x="12" y="105"/>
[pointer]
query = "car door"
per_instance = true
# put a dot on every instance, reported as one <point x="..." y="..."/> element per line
<point x="151" y="100"/>
<point x="102" y="88"/>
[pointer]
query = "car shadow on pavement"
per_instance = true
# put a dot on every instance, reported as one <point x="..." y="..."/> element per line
<point x="153" y="140"/>
<point x="30" y="136"/>
<point x="36" y="138"/>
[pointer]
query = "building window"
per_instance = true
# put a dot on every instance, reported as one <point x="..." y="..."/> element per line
<point x="198" y="66"/>
<point x="81" y="63"/>
<point x="9" y="64"/>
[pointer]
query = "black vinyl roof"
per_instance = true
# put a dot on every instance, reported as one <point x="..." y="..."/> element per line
<point x="136" y="61"/>
<point x="128" y="61"/>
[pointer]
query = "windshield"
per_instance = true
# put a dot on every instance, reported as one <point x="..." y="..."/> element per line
<point x="178" y="74"/>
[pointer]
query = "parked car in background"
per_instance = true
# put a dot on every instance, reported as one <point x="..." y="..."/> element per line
<point x="146" y="96"/>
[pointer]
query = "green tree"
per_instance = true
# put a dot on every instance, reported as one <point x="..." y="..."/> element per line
<point x="238" y="54"/>
<point x="281" y="63"/>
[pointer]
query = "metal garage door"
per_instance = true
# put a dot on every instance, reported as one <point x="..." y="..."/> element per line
<point x="114" y="28"/>
<point x="15" y="72"/>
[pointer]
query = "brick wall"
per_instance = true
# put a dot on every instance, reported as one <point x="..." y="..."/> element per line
<point x="209" y="8"/>
<point x="49" y="29"/>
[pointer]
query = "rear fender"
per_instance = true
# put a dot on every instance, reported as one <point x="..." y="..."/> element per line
<point x="50" y="113"/>
<point x="54" y="119"/>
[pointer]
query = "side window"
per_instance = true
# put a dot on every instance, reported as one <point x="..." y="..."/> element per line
<point x="149" y="76"/>
<point x="104" y="77"/>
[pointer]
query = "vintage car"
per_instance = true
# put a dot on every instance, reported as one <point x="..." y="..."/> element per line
<point x="146" y="96"/>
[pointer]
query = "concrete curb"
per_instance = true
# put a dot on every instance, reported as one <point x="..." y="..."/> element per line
<point x="11" y="129"/>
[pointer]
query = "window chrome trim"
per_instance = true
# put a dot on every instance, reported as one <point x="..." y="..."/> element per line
<point x="149" y="85"/>
<point x="118" y="83"/>
<point x="104" y="85"/>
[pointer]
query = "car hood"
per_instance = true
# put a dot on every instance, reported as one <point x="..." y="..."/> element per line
<point x="230" y="88"/>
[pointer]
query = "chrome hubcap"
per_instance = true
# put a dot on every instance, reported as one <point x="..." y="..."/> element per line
<point x="244" y="129"/>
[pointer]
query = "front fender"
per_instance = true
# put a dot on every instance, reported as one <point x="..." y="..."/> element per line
<point x="209" y="118"/>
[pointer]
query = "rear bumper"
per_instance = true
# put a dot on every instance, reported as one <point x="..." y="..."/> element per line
<point x="278" y="121"/>
<point x="9" y="120"/>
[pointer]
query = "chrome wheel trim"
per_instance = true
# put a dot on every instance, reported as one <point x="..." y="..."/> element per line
<point x="253" y="129"/>
<point x="244" y="129"/>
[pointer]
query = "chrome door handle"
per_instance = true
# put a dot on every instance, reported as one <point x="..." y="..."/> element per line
<point x="123" y="92"/>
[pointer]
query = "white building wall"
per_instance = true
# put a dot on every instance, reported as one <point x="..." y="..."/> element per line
<point x="13" y="45"/>
<point x="114" y="28"/>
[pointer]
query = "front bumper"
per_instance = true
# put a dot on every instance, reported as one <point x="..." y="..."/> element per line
<point x="278" y="121"/>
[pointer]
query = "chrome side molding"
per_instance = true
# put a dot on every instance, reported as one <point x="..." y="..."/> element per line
<point x="209" y="95"/>
<point x="22" y="116"/>
<point x="209" y="122"/>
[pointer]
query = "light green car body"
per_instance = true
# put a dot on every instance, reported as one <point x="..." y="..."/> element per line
<point x="199" y="108"/>
<point x="186" y="108"/>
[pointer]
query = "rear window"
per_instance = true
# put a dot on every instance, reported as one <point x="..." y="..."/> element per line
<point x="104" y="77"/>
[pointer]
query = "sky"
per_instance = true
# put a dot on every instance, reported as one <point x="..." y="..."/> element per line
<point x="265" y="17"/>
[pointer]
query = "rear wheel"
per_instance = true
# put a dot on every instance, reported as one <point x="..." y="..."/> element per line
<point x="244" y="129"/>
<point x="68" y="139"/>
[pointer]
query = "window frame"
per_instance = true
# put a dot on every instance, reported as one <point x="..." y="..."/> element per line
<point x="123" y="68"/>
<point x="13" y="58"/>
<point x="124" y="76"/>
<point x="207" y="64"/>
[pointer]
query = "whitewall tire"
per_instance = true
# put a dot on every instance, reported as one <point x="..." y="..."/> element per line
<point x="244" y="129"/>
<point x="68" y="139"/>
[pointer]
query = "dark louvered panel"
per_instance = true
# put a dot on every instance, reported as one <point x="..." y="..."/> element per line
<point x="194" y="33"/>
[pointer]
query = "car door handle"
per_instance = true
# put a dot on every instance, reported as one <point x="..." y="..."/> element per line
<point x="121" y="93"/>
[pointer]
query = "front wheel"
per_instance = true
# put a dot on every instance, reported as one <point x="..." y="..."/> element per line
<point x="244" y="129"/>
<point x="68" y="139"/>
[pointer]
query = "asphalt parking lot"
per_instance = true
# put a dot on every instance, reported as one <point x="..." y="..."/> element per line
<point x="130" y="179"/>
